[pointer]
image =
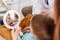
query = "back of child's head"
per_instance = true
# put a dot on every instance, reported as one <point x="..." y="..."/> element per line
<point x="42" y="27"/>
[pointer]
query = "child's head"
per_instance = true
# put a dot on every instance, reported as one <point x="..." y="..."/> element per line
<point x="42" y="27"/>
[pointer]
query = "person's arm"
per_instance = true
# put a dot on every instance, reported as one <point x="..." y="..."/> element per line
<point x="5" y="4"/>
<point x="27" y="29"/>
<point x="14" y="34"/>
